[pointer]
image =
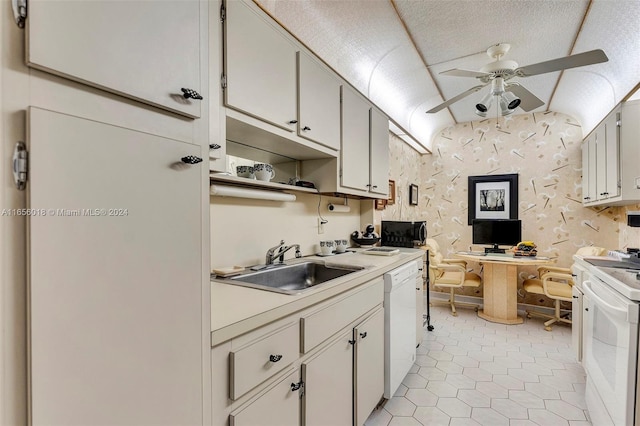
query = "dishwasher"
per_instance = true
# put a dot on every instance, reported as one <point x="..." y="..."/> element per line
<point x="399" y="324"/>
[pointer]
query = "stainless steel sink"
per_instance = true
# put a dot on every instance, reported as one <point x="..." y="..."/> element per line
<point x="292" y="279"/>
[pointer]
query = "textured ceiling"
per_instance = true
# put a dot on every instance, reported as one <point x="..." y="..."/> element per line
<point x="393" y="51"/>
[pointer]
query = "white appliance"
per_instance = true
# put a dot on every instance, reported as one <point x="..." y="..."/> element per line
<point x="399" y="324"/>
<point x="610" y="355"/>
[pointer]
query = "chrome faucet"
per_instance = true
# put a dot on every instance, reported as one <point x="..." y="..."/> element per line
<point x="278" y="252"/>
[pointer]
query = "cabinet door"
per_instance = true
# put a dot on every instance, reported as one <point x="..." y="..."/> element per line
<point x="593" y="171"/>
<point x="601" y="162"/>
<point x="419" y="309"/>
<point x="613" y="155"/>
<point x="328" y="382"/>
<point x="318" y="103"/>
<point x="260" y="66"/>
<point x="115" y="277"/>
<point x="145" y="50"/>
<point x="369" y="365"/>
<point x="586" y="170"/>
<point x="379" y="153"/>
<point x="279" y="406"/>
<point x="355" y="141"/>
<point x="576" y="325"/>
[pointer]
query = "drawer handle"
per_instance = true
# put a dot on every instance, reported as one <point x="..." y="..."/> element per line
<point x="190" y="94"/>
<point x="293" y="121"/>
<point x="352" y="342"/>
<point x="306" y="128"/>
<point x="575" y="297"/>
<point x="214" y="146"/>
<point x="191" y="159"/>
<point x="363" y="335"/>
<point x="275" y="358"/>
<point x="296" y="386"/>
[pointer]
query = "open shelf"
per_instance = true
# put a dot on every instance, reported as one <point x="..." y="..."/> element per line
<point x="254" y="183"/>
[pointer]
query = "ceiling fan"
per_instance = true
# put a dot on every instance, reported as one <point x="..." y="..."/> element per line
<point x="510" y="95"/>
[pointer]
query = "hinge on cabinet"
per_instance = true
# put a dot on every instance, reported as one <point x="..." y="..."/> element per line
<point x="20" y="165"/>
<point x="223" y="81"/>
<point x="19" y="11"/>
<point x="223" y="13"/>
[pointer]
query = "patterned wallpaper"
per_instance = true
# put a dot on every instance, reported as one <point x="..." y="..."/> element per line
<point x="544" y="150"/>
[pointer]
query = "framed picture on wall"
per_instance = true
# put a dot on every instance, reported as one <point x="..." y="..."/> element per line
<point x="493" y="197"/>
<point x="392" y="193"/>
<point x="413" y="195"/>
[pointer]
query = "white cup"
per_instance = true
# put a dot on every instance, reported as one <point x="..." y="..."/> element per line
<point x="326" y="247"/>
<point x="341" y="246"/>
<point x="264" y="171"/>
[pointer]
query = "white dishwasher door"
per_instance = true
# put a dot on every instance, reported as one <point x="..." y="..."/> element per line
<point x="399" y="331"/>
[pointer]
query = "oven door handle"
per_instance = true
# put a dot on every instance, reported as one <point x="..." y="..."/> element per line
<point x="623" y="313"/>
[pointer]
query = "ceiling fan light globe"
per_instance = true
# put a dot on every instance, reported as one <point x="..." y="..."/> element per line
<point x="485" y="103"/>
<point x="511" y="100"/>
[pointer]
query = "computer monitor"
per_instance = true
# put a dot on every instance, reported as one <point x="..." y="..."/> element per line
<point x="496" y="232"/>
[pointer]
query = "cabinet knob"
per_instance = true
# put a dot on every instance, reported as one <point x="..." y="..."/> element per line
<point x="191" y="159"/>
<point x="214" y="146"/>
<point x="363" y="335"/>
<point x="586" y="309"/>
<point x="352" y="342"/>
<point x="587" y="198"/>
<point x="190" y="94"/>
<point x="575" y="297"/>
<point x="374" y="186"/>
<point x="296" y="386"/>
<point x="275" y="358"/>
<point x="306" y="128"/>
<point x="293" y="121"/>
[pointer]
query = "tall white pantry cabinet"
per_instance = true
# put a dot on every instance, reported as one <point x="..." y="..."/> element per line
<point x="116" y="247"/>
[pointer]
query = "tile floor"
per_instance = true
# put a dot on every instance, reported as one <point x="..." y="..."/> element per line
<point x="472" y="372"/>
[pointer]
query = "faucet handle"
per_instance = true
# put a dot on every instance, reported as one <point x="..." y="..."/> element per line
<point x="298" y="253"/>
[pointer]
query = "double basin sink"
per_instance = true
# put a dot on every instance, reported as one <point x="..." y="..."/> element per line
<point x="291" y="279"/>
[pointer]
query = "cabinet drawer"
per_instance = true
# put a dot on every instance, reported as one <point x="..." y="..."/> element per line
<point x="257" y="361"/>
<point x="316" y="327"/>
<point x="279" y="406"/>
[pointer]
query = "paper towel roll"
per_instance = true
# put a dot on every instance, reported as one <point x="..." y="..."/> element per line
<point x="339" y="208"/>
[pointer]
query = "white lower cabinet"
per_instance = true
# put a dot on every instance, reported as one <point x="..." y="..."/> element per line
<point x="278" y="406"/>
<point x="336" y="382"/>
<point x="368" y="368"/>
<point x="328" y="384"/>
<point x="577" y="305"/>
<point x="115" y="278"/>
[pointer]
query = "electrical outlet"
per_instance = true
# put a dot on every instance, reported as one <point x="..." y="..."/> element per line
<point x="320" y="226"/>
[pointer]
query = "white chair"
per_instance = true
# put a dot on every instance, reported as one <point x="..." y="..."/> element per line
<point x="451" y="274"/>
<point x="555" y="283"/>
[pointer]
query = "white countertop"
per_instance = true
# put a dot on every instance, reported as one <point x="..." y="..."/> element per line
<point x="236" y="310"/>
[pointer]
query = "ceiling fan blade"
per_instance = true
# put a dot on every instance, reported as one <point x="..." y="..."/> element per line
<point x="455" y="99"/>
<point x="455" y="72"/>
<point x="528" y="101"/>
<point x="573" y="61"/>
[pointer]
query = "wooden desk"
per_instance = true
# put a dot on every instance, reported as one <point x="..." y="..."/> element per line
<point x="500" y="285"/>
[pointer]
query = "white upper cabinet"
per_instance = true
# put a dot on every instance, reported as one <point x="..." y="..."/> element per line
<point x="145" y="50"/>
<point x="355" y="140"/>
<point x="260" y="67"/>
<point x="318" y="102"/>
<point x="379" y="153"/>
<point x="610" y="158"/>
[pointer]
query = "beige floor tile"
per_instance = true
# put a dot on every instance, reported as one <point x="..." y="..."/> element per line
<point x="472" y="372"/>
